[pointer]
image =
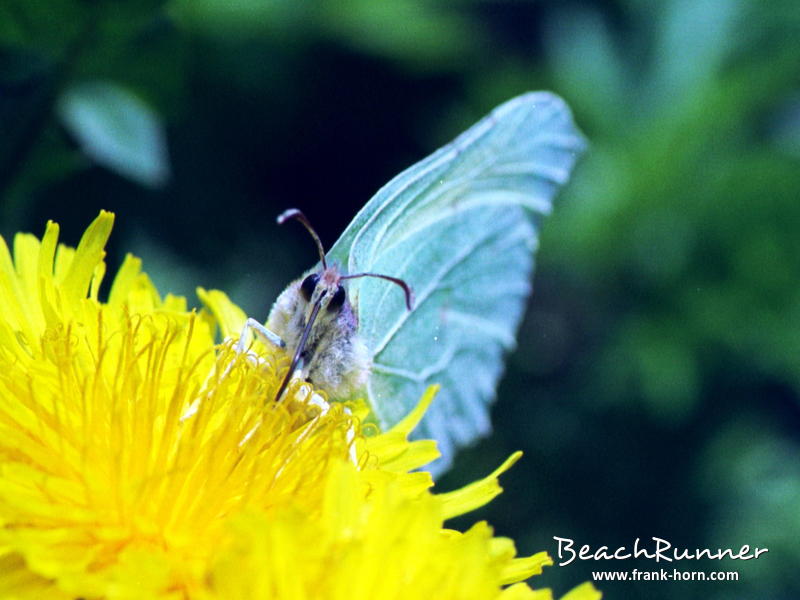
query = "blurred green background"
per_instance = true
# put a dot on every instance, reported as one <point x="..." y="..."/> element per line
<point x="655" y="388"/>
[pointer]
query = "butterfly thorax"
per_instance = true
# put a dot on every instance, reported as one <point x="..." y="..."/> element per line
<point x="334" y="358"/>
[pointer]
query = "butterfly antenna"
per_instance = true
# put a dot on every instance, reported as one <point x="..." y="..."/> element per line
<point x="299" y="352"/>
<point x="293" y="213"/>
<point x="396" y="280"/>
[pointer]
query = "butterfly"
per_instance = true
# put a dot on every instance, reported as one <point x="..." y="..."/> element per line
<point x="458" y="228"/>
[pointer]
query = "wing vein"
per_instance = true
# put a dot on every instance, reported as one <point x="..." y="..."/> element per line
<point x="434" y="283"/>
<point x="439" y="366"/>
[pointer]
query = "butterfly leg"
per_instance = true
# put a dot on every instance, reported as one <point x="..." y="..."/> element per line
<point x="261" y="332"/>
<point x="241" y="347"/>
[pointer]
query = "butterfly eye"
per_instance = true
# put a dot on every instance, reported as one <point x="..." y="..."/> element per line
<point x="337" y="301"/>
<point x="308" y="285"/>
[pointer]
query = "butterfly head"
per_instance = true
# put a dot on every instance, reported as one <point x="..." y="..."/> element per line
<point x="324" y="288"/>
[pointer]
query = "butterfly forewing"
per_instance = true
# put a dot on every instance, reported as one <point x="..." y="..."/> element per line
<point x="463" y="321"/>
<point x="460" y="227"/>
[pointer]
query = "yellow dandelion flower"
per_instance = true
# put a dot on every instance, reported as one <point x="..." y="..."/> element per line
<point x="140" y="460"/>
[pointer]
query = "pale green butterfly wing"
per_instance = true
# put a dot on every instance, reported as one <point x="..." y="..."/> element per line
<point x="461" y="228"/>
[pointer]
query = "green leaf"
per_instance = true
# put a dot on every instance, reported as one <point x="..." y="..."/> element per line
<point x="116" y="129"/>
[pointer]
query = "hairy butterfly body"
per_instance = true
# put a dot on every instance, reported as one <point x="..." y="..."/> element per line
<point x="315" y="322"/>
<point x="335" y="358"/>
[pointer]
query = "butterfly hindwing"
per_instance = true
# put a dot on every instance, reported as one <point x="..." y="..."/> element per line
<point x="461" y="228"/>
